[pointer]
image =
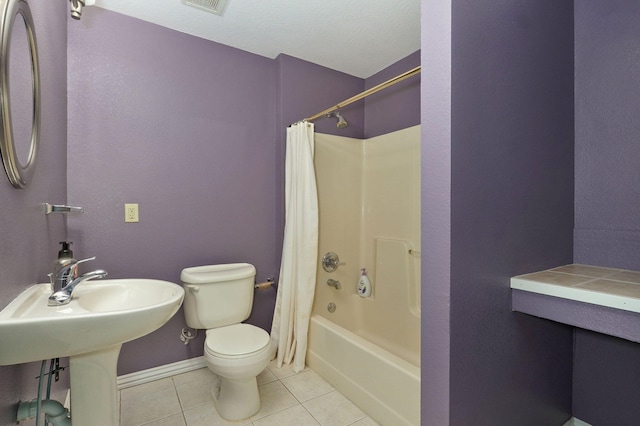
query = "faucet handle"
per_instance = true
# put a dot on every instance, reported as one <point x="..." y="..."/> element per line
<point x="70" y="269"/>
<point x="331" y="261"/>
<point x="73" y="268"/>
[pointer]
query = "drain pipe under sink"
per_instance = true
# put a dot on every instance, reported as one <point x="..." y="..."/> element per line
<point x="55" y="411"/>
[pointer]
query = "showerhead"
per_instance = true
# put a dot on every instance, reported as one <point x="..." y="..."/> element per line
<point x="342" y="123"/>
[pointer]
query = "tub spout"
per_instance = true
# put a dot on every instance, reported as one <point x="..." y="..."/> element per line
<point x="333" y="283"/>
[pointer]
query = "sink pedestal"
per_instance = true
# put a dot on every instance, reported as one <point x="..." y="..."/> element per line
<point x="93" y="388"/>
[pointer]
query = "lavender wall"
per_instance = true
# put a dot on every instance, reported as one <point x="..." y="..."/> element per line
<point x="607" y="195"/>
<point x="607" y="175"/>
<point x="436" y="210"/>
<point x="120" y="152"/>
<point x="193" y="131"/>
<point x="397" y="108"/>
<point x="185" y="128"/>
<point x="29" y="237"/>
<point x="511" y="207"/>
<point x="304" y="89"/>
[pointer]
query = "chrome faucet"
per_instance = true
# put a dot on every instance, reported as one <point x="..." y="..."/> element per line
<point x="63" y="297"/>
<point x="67" y="278"/>
<point x="65" y="272"/>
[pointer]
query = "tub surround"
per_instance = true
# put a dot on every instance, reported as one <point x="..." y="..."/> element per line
<point x="362" y="184"/>
<point x="605" y="300"/>
<point x="366" y="341"/>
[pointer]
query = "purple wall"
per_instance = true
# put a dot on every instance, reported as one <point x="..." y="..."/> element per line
<point x="214" y="143"/>
<point x="185" y="128"/>
<point x="607" y="195"/>
<point x="497" y="193"/>
<point x="396" y="108"/>
<point x="436" y="210"/>
<point x="607" y="174"/>
<point x="147" y="140"/>
<point x="193" y="131"/>
<point x="29" y="237"/>
<point x="511" y="207"/>
<point x="304" y="89"/>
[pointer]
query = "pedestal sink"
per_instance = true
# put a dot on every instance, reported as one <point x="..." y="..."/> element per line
<point x="90" y="330"/>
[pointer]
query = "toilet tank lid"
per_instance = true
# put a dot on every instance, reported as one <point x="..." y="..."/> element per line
<point x="214" y="273"/>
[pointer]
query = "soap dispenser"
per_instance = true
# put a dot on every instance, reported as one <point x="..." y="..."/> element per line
<point x="65" y="258"/>
<point x="364" y="285"/>
<point x="65" y="252"/>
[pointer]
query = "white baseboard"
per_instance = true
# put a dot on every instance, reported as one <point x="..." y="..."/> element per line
<point x="575" y="422"/>
<point x="156" y="373"/>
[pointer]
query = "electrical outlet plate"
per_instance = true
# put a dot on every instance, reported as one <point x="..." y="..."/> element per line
<point x="131" y="213"/>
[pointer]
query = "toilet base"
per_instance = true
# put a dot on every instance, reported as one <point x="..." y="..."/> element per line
<point x="236" y="400"/>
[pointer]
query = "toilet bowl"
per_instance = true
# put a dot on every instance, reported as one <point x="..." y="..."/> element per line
<point x="218" y="298"/>
<point x="237" y="354"/>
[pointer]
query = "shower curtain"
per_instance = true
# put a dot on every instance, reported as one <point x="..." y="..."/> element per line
<point x="297" y="280"/>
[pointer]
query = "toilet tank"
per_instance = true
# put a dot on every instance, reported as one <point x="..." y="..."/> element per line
<point x="217" y="295"/>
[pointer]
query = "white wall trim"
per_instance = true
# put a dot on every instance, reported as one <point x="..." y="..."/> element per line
<point x="161" y="372"/>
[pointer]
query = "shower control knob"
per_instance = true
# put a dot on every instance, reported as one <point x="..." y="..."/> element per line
<point x="331" y="261"/>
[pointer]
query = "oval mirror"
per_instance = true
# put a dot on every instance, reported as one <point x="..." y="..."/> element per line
<point x="19" y="92"/>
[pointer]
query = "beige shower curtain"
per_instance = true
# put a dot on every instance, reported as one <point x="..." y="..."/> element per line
<point x="297" y="280"/>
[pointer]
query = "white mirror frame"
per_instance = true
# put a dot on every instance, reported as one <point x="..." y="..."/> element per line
<point x="19" y="174"/>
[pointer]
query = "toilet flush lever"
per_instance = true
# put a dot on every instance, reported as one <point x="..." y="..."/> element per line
<point x="193" y="288"/>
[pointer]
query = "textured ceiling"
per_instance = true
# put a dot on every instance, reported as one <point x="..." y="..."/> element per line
<point x="358" y="37"/>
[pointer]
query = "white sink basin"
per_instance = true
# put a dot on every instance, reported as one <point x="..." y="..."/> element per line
<point x="102" y="313"/>
<point x="90" y="330"/>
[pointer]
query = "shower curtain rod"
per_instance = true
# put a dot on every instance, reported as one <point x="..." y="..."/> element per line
<point x="366" y="93"/>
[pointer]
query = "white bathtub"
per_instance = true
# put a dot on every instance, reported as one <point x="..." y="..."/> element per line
<point x="384" y="386"/>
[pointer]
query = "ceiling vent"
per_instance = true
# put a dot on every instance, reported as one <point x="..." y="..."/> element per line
<point x="214" y="6"/>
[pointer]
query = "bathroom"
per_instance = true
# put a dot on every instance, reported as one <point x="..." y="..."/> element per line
<point x="508" y="118"/>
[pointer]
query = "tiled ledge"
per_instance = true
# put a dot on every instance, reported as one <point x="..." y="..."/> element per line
<point x="614" y="288"/>
<point x="605" y="300"/>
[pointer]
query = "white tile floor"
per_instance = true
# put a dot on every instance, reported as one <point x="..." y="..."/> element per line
<point x="288" y="399"/>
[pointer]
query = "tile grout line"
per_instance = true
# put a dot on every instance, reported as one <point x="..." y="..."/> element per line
<point x="175" y="388"/>
<point x="251" y="422"/>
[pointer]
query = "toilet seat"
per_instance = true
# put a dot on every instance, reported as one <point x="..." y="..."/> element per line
<point x="236" y="341"/>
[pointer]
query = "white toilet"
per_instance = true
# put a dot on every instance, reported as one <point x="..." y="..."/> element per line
<point x="218" y="298"/>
